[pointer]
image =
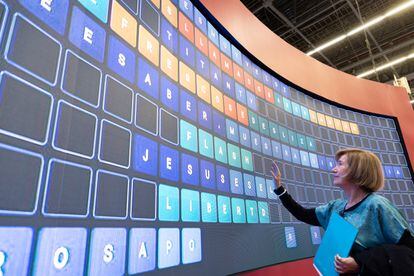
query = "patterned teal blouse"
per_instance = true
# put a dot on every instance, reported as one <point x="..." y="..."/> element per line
<point x="378" y="221"/>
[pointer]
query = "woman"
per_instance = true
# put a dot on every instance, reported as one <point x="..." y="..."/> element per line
<point x="359" y="174"/>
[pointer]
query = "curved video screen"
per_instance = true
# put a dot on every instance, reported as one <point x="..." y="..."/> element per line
<point x="136" y="138"/>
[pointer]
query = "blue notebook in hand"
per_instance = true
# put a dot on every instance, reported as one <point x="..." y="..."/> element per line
<point x="338" y="239"/>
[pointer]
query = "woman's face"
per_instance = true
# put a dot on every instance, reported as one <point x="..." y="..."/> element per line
<point x="340" y="171"/>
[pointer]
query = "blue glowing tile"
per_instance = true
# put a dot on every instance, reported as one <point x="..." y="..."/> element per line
<point x="290" y="237"/>
<point x="287" y="156"/>
<point x="277" y="150"/>
<point x="213" y="34"/>
<point x="240" y="93"/>
<point x="270" y="189"/>
<point x="169" y="36"/>
<point x="60" y="251"/>
<point x="238" y="210"/>
<point x="204" y="115"/>
<point x="249" y="184"/>
<point x="215" y="76"/>
<point x="236" y="182"/>
<point x="53" y="13"/>
<point x="121" y="59"/>
<point x="87" y="35"/>
<point x="208" y="207"/>
<point x="187" y="7"/>
<point x="261" y="187"/>
<point x="244" y="135"/>
<point x="188" y="106"/>
<point x="169" y="163"/>
<point x="148" y="78"/>
<point x="15" y="245"/>
<point x="191" y="245"/>
<point x="232" y="130"/>
<point x="142" y="250"/>
<point x="223" y="178"/>
<point x="219" y="124"/>
<point x="295" y="156"/>
<point x="200" y="21"/>
<point x="168" y="203"/>
<point x="207" y="174"/>
<point x="228" y="85"/>
<point x="304" y="156"/>
<point x="202" y="65"/>
<point x="187" y="51"/>
<point x="190" y="205"/>
<point x="168" y="247"/>
<point x="225" y="45"/>
<point x="189" y="169"/>
<point x="169" y="93"/>
<point x="236" y="55"/>
<point x="107" y="251"/>
<point x="145" y="155"/>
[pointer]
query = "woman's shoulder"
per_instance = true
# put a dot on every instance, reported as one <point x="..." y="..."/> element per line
<point x="379" y="202"/>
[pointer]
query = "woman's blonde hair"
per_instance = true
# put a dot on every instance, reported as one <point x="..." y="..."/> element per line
<point x="364" y="169"/>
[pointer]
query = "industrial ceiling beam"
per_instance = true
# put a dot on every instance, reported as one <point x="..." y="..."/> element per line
<point x="387" y="51"/>
<point x="267" y="3"/>
<point x="370" y="34"/>
<point x="314" y="16"/>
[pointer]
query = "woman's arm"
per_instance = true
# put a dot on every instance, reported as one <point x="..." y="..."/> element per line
<point x="302" y="214"/>
<point x="299" y="212"/>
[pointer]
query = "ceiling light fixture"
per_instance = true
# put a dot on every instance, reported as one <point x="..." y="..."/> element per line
<point x="386" y="65"/>
<point x="370" y="23"/>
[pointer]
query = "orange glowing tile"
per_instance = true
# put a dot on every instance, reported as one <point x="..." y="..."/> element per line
<point x="201" y="41"/>
<point x="226" y="64"/>
<point x="248" y="81"/>
<point x="214" y="53"/>
<point x="346" y="127"/>
<point x="186" y="27"/>
<point x="148" y="46"/>
<point x="230" y="107"/>
<point x="156" y="3"/>
<point x="187" y="77"/>
<point x="169" y="63"/>
<point x="338" y="124"/>
<point x="258" y="88"/>
<point x="312" y="115"/>
<point x="169" y="10"/>
<point x="217" y="99"/>
<point x="203" y="89"/>
<point x="321" y="119"/>
<point x="354" y="128"/>
<point x="269" y="95"/>
<point x="238" y="73"/>
<point x="329" y="121"/>
<point x="124" y="24"/>
<point x="242" y="116"/>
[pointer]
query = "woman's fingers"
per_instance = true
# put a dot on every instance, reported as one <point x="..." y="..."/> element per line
<point x="339" y="267"/>
<point x="275" y="169"/>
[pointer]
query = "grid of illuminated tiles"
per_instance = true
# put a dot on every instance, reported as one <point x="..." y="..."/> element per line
<point x="226" y="120"/>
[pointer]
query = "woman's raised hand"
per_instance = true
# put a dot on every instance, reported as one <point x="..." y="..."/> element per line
<point x="276" y="174"/>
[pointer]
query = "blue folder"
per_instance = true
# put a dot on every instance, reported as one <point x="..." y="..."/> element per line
<point x="338" y="239"/>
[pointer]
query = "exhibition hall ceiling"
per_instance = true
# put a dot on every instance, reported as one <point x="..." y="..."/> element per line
<point x="307" y="24"/>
